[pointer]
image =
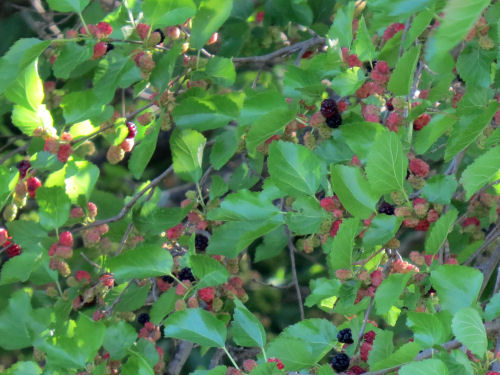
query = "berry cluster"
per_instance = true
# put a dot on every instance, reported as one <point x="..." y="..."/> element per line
<point x="278" y="362"/>
<point x="340" y="362"/>
<point x="345" y="336"/>
<point x="331" y="113"/>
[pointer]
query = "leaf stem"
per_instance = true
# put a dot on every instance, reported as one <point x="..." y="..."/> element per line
<point x="83" y="22"/>
<point x="230" y="357"/>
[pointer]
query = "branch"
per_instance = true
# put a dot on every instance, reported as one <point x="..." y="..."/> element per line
<point x="129" y="205"/>
<point x="180" y="357"/>
<point x="291" y="248"/>
<point x="276" y="56"/>
<point x="363" y="326"/>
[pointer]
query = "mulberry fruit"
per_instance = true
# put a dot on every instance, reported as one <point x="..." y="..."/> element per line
<point x="23" y="167"/>
<point x="345" y="336"/>
<point x="200" y="242"/>
<point x="132" y="130"/>
<point x="340" y="362"/>
<point x="386" y="208"/>
<point x="334" y="121"/>
<point x="143" y="318"/>
<point x="186" y="274"/>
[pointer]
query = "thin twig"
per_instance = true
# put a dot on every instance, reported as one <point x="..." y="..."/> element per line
<point x="109" y="309"/>
<point x="291" y="249"/>
<point x="124" y="239"/>
<point x="13" y="152"/>
<point x="365" y="321"/>
<point x="489" y="238"/>
<point x="488" y="267"/>
<point x="180" y="357"/>
<point x="90" y="261"/>
<point x="129" y="205"/>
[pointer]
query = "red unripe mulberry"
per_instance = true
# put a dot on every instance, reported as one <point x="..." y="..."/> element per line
<point x="419" y="167"/>
<point x="65" y="150"/>
<point x="66" y="239"/>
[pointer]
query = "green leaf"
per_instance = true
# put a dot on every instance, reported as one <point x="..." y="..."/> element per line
<point x="382" y="347"/>
<point x="208" y="270"/>
<point x="474" y="65"/>
<point x="221" y="71"/>
<point x="81" y="105"/>
<point x="406" y="353"/>
<point x="27" y="234"/>
<point x="425" y="367"/>
<point x="78" y="177"/>
<point x="119" y="337"/>
<point x="132" y="299"/>
<point x="492" y="310"/>
<point x="54" y="206"/>
<point x="346" y="83"/>
<point x="27" y="90"/>
<point x="341" y="28"/>
<point x="246" y="329"/>
<point x="389" y="291"/>
<point x="28" y="120"/>
<point x="141" y="262"/>
<point x="340" y="248"/>
<point x="363" y="45"/>
<point x="19" y="268"/>
<point x="187" y="153"/>
<point x="428" y="329"/>
<point x="18" y="57"/>
<point x="142" y="153"/>
<point x="387" y="164"/>
<point x="457" y="286"/>
<point x="8" y="181"/>
<point x="162" y="73"/>
<point x="160" y="218"/>
<point x="196" y="325"/>
<point x="294" y="168"/>
<point x="307" y="217"/>
<point x="225" y="146"/>
<point x="272" y="245"/>
<point x="77" y="350"/>
<point x="210" y="17"/>
<point x="321" y="289"/>
<point x="259" y="103"/>
<point x="161" y="13"/>
<point x="360" y="137"/>
<point x="481" y="171"/>
<point x="354" y="192"/>
<point x="163" y="306"/>
<point x="440" y="189"/>
<point x="381" y="230"/>
<point x="469" y="127"/>
<point x="24" y="368"/>
<point x="137" y="365"/>
<point x="203" y="114"/>
<point x="295" y="353"/>
<point x="266" y="126"/>
<point x="111" y="73"/>
<point x="218" y="187"/>
<point x="418" y="26"/>
<point x="426" y="137"/>
<point x="458" y="19"/>
<point x="402" y="76"/>
<point x="71" y="56"/>
<point x="468" y="328"/>
<point x="76" y="6"/>
<point x="437" y="234"/>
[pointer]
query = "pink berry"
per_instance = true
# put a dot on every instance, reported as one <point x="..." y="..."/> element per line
<point x="100" y="49"/>
<point x="4" y="236"/>
<point x="65" y="150"/>
<point x="92" y="207"/>
<point x="419" y="167"/>
<point x="33" y="184"/>
<point x="77" y="212"/>
<point x="143" y="30"/>
<point x="82" y="276"/>
<point x="66" y="239"/>
<point x="107" y="280"/>
<point x="104" y="29"/>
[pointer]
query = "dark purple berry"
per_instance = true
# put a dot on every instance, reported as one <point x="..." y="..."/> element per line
<point x="132" y="130"/>
<point x="23" y="167"/>
<point x="162" y="35"/>
<point x="186" y="274"/>
<point x="345" y="336"/>
<point x="386" y="208"/>
<point x="329" y="108"/>
<point x="334" y="121"/>
<point x="143" y="318"/>
<point x="168" y="279"/>
<point x="109" y="47"/>
<point x="200" y="242"/>
<point x="340" y="362"/>
<point x="389" y="105"/>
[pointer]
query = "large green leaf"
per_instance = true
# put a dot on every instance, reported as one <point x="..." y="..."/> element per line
<point x="162" y="73"/>
<point x="406" y="353"/>
<point x="119" y="337"/>
<point x="340" y="248"/>
<point x="459" y="17"/>
<point x="387" y="164"/>
<point x="54" y="205"/>
<point x="468" y="328"/>
<point x="160" y="218"/>
<point x="187" y="153"/>
<point x="266" y="126"/>
<point x="24" y="368"/>
<point x="161" y="13"/>
<point x="426" y="137"/>
<point x="440" y="189"/>
<point x="142" y="153"/>
<point x="481" y="171"/>
<point x="437" y="234"/>
<point x="209" y="18"/>
<point x="247" y="330"/>
<point x="18" y="57"/>
<point x="27" y="120"/>
<point x="389" y="291"/>
<point x="429" y="330"/>
<point x="382" y="347"/>
<point x="225" y="146"/>
<point x="346" y="83"/>
<point x="19" y="268"/>
<point x="208" y="270"/>
<point x="71" y="56"/>
<point x="457" y="286"/>
<point x="27" y="89"/>
<point x="294" y="168"/>
<point x="360" y="137"/>
<point x="341" y="28"/>
<point x="141" y="262"/>
<point x="221" y="71"/>
<point x="307" y="216"/>
<point x="76" y="6"/>
<point x="492" y="309"/>
<point x="354" y="192"/>
<point x="381" y="230"/>
<point x="425" y="367"/>
<point x="204" y="113"/>
<point x="163" y="306"/>
<point x="402" y="76"/>
<point x="198" y="326"/>
<point x="468" y="129"/>
<point x="321" y="289"/>
<point x="474" y="65"/>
